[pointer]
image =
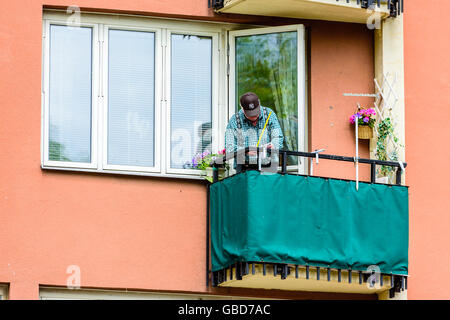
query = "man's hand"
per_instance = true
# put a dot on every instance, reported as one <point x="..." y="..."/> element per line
<point x="255" y="153"/>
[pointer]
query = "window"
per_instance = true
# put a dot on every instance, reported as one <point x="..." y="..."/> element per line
<point x="191" y="97"/>
<point x="69" y="113"/>
<point x="131" y="98"/>
<point x="271" y="62"/>
<point x="3" y="292"/>
<point x="144" y="96"/>
<point x="129" y="91"/>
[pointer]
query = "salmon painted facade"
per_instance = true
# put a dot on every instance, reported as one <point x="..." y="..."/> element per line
<point x="106" y="103"/>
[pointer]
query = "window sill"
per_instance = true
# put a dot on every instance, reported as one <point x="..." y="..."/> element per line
<point x="127" y="173"/>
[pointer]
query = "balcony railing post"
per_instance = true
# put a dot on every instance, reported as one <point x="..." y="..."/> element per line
<point x="398" y="176"/>
<point x="207" y="236"/>
<point x="373" y="172"/>
<point x="284" y="162"/>
<point x="215" y="174"/>
<point x="246" y="157"/>
<point x="258" y="152"/>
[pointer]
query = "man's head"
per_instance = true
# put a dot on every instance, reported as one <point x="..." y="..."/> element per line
<point x="251" y="106"/>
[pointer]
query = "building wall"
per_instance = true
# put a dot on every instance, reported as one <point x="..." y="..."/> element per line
<point x="342" y="61"/>
<point x="136" y="232"/>
<point x="427" y="94"/>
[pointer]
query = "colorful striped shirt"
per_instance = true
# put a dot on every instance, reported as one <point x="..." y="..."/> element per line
<point x="249" y="134"/>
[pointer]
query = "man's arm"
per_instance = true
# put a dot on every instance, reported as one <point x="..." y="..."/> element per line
<point x="231" y="136"/>
<point x="276" y="134"/>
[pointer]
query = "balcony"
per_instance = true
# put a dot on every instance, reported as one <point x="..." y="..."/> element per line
<point x="357" y="11"/>
<point x="286" y="231"/>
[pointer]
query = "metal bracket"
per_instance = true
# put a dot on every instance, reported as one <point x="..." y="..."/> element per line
<point x="216" y="4"/>
<point x="316" y="152"/>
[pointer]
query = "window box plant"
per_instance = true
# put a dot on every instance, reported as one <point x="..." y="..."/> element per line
<point x="203" y="161"/>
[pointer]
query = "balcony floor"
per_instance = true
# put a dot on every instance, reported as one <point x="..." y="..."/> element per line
<point x="269" y="281"/>
<point x="330" y="10"/>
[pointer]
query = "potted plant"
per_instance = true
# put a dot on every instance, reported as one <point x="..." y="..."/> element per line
<point x="366" y="121"/>
<point x="385" y="130"/>
<point x="203" y="161"/>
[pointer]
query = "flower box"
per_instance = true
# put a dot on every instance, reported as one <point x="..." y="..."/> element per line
<point x="203" y="161"/>
<point x="209" y="173"/>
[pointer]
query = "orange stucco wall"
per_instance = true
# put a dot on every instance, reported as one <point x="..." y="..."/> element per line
<point x="427" y="93"/>
<point x="134" y="232"/>
<point x="342" y="61"/>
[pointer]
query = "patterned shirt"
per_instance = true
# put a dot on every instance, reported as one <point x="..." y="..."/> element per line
<point x="250" y="134"/>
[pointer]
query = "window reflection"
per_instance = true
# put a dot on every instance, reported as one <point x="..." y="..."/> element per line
<point x="70" y="94"/>
<point x="267" y="65"/>
<point x="131" y="100"/>
<point x="191" y="98"/>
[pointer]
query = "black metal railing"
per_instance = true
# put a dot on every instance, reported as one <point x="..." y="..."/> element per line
<point x="395" y="6"/>
<point x="398" y="282"/>
<point x="241" y="157"/>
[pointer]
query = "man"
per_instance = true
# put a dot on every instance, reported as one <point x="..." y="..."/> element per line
<point x="246" y="126"/>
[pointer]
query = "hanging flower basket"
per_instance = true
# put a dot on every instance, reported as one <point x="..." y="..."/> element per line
<point x="366" y="121"/>
<point x="365" y="132"/>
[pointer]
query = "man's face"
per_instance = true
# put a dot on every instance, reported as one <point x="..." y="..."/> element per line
<point x="252" y="119"/>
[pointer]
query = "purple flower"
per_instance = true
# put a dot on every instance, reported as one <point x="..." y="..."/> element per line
<point x="196" y="159"/>
<point x="205" y="153"/>
<point x="194" y="162"/>
<point x="366" y="119"/>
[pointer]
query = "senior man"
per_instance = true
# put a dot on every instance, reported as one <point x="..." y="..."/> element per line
<point x="246" y="126"/>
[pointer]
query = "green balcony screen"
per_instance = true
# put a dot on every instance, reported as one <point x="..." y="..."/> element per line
<point x="300" y="220"/>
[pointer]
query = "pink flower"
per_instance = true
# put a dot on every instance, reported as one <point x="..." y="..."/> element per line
<point x="352" y="119"/>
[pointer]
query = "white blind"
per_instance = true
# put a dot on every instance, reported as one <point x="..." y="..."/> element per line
<point x="191" y="100"/>
<point x="131" y="102"/>
<point x="70" y="97"/>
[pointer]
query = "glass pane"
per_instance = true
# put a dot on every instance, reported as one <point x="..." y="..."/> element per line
<point x="191" y="102"/>
<point x="266" y="64"/>
<point x="70" y="95"/>
<point x="131" y="98"/>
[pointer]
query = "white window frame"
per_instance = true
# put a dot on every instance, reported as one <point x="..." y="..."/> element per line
<point x="302" y="136"/>
<point x="214" y="95"/>
<point x="222" y="86"/>
<point x="46" y="99"/>
<point x="104" y="39"/>
<point x="60" y="293"/>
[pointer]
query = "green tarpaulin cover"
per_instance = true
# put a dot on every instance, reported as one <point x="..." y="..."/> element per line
<point x="308" y="221"/>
